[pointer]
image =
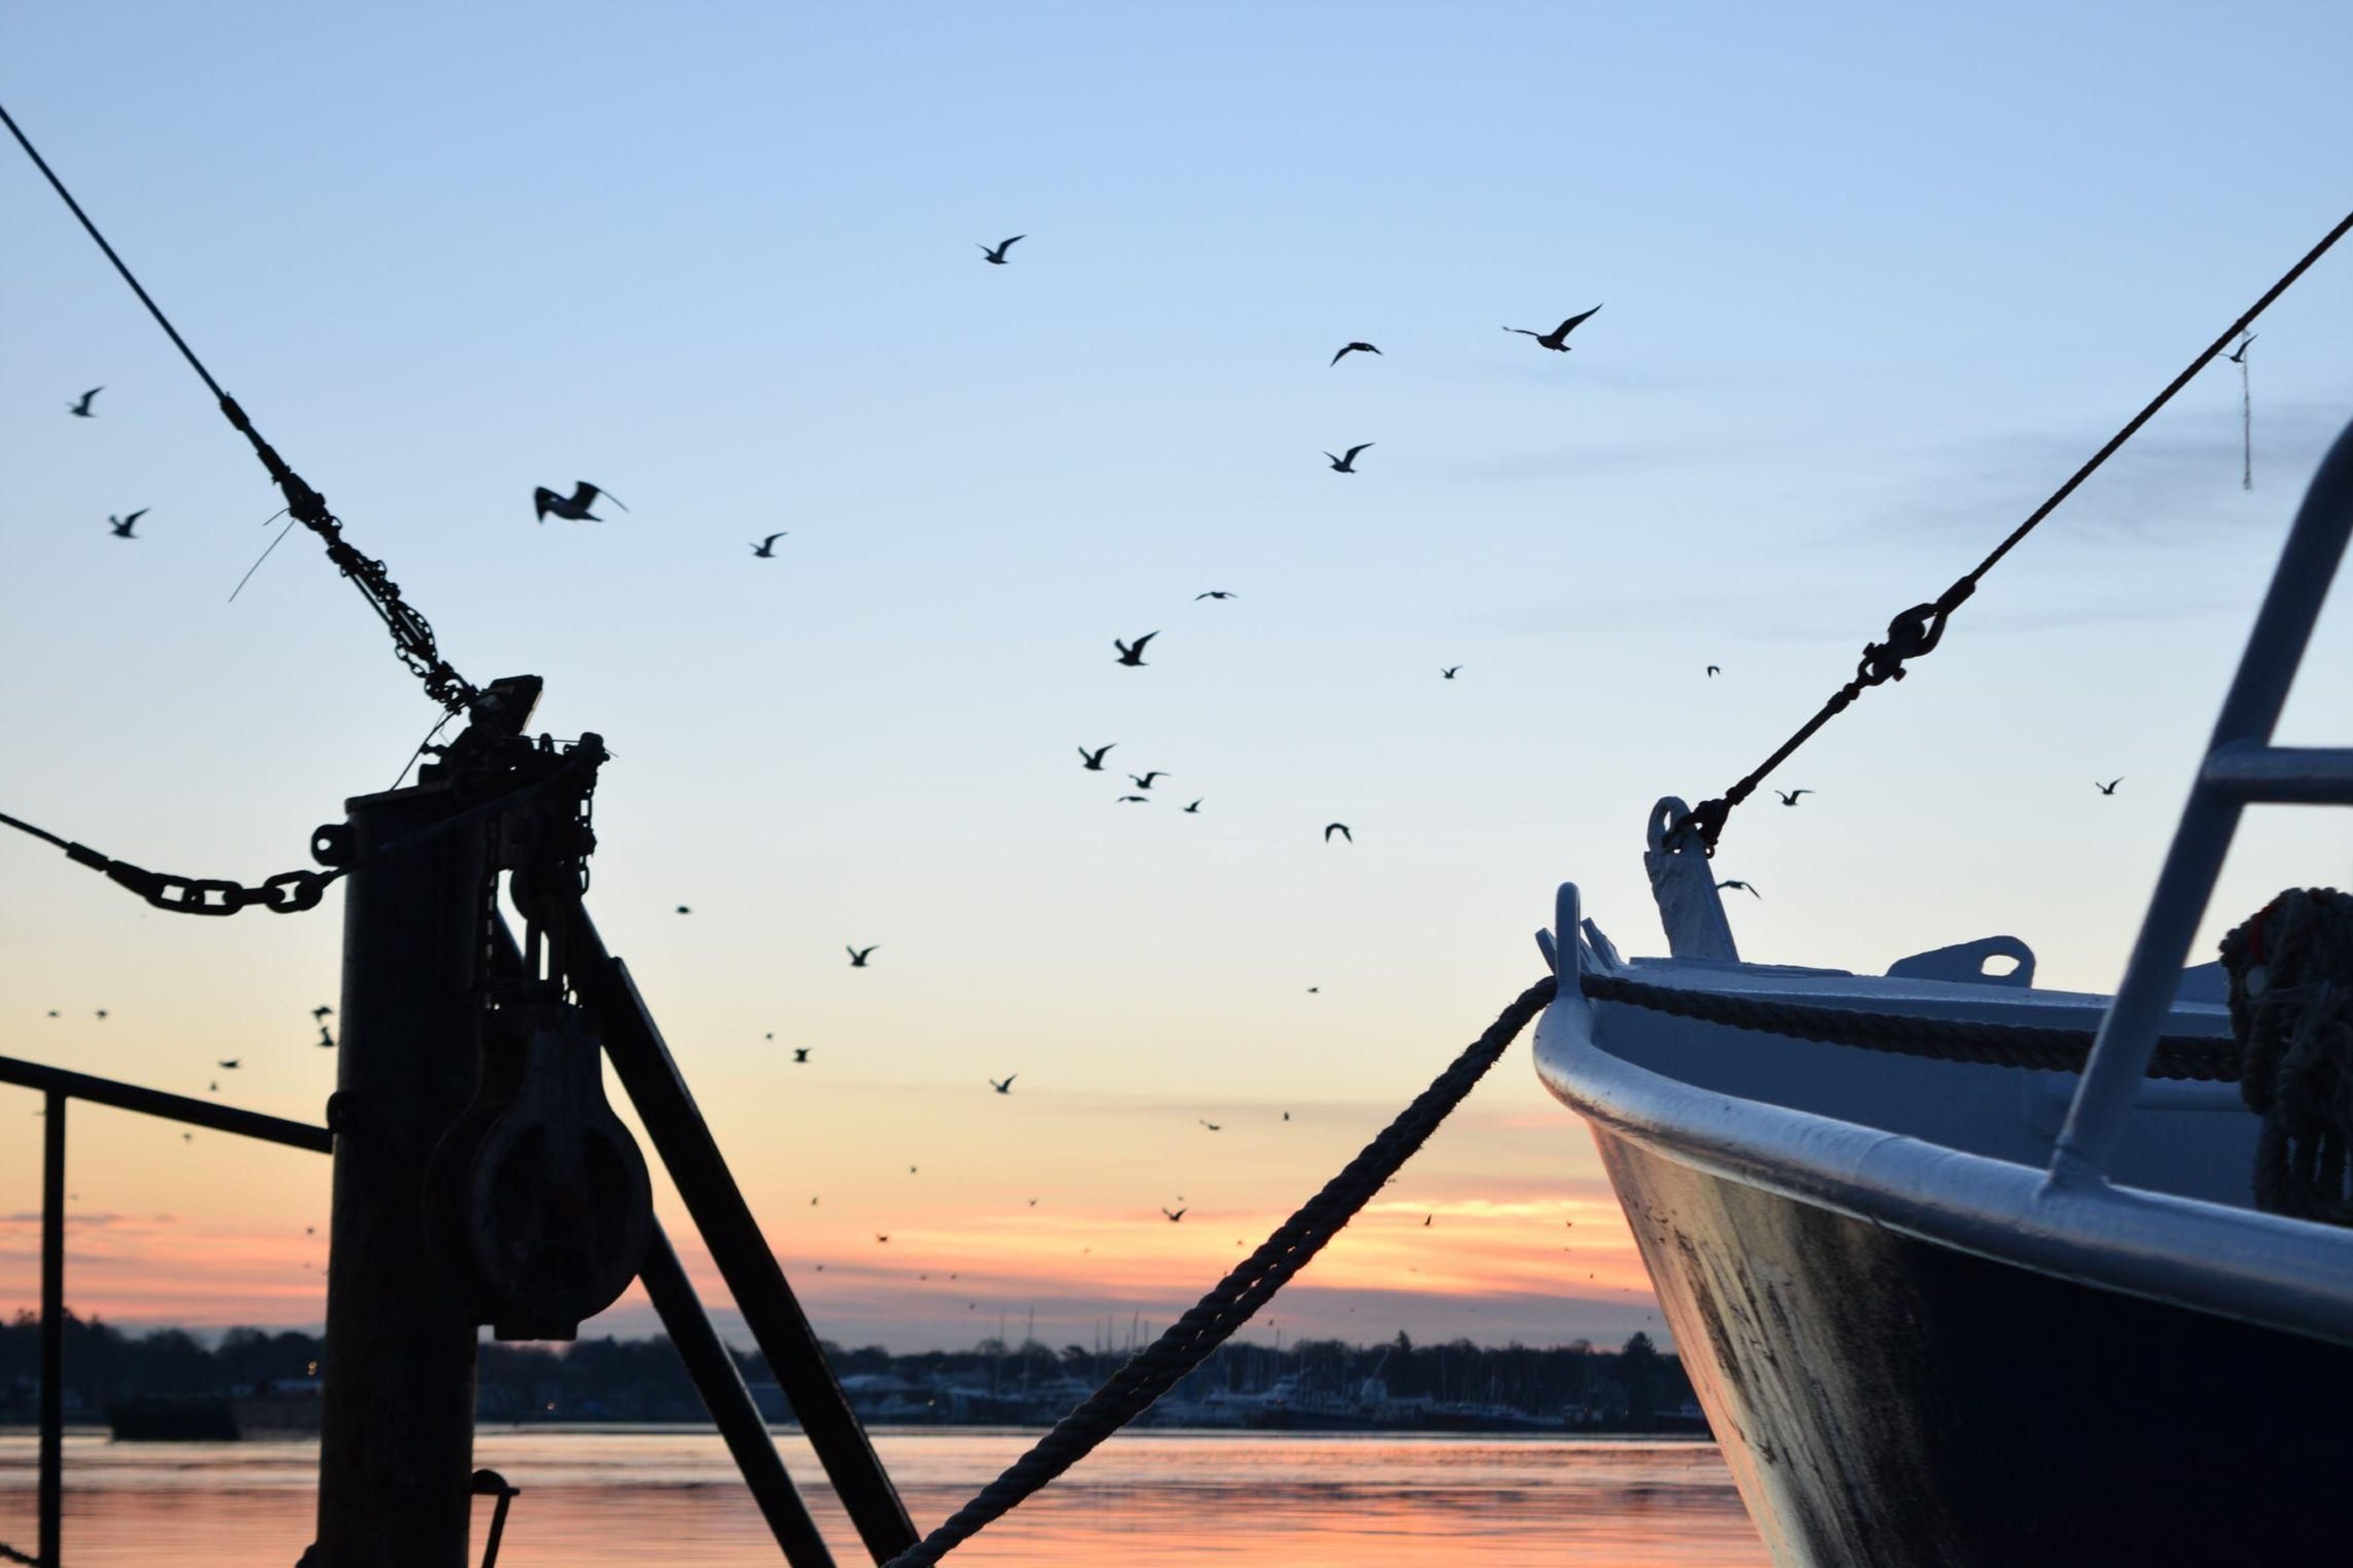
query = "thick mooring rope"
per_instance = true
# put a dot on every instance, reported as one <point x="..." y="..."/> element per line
<point x="2205" y="1059"/>
<point x="1154" y="1371"/>
<point x="2291" y="1006"/>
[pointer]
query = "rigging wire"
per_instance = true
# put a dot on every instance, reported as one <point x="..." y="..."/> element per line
<point x="412" y="634"/>
<point x="1917" y="630"/>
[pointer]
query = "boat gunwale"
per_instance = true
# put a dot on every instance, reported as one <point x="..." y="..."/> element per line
<point x="2260" y="1268"/>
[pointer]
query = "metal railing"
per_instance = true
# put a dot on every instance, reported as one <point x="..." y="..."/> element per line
<point x="2241" y="767"/>
<point x="57" y="1086"/>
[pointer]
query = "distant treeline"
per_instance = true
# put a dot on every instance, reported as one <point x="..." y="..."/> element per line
<point x="1635" y="1386"/>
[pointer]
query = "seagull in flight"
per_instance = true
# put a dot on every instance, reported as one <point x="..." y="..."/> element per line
<point x="122" y="525"/>
<point x="1143" y="780"/>
<point x="1449" y="672"/>
<point x="1194" y="808"/>
<point x="1554" y="340"/>
<point x="2239" y="356"/>
<point x="326" y="1041"/>
<point x="1347" y="465"/>
<point x="880" y="1237"/>
<point x="1175" y="1214"/>
<point x="2107" y="788"/>
<point x="322" y="1011"/>
<point x="573" y="508"/>
<point x="858" y="954"/>
<point x="1092" y="761"/>
<point x="800" y="1055"/>
<point x="1131" y="654"/>
<point x="230" y="1064"/>
<point x="1357" y="348"/>
<point x="1212" y="1126"/>
<point x="1737" y="882"/>
<point x="684" y="910"/>
<point x="996" y="258"/>
<point x="1714" y="670"/>
<point x="1005" y="1087"/>
<point x="1214" y="593"/>
<point x="1339" y="827"/>
<point x="767" y="547"/>
<point x="80" y="408"/>
<point x="1139" y="799"/>
<point x="1789" y="797"/>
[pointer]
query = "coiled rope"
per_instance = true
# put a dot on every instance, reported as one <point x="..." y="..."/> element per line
<point x="1154" y="1371"/>
<point x="2291" y="968"/>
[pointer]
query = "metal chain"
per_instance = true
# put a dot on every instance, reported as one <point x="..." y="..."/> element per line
<point x="412" y="634"/>
<point x="1916" y="632"/>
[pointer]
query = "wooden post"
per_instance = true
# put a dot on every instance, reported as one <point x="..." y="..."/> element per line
<point x="53" y="1326"/>
<point x="396" y="1455"/>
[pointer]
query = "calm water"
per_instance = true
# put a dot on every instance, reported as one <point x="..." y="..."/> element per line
<point x="607" y="1496"/>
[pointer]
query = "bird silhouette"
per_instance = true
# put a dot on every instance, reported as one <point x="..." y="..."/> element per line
<point x="101" y="1013"/>
<point x="1737" y="882"/>
<point x="1713" y="671"/>
<point x="1212" y="1126"/>
<point x="1131" y="654"/>
<point x="1357" y="348"/>
<point x="1347" y="465"/>
<point x="1426" y="1219"/>
<point x="1194" y="807"/>
<point x="1286" y="1116"/>
<point x="322" y="1011"/>
<point x="122" y="525"/>
<point x="1314" y="990"/>
<point x="767" y="547"/>
<point x="230" y="1064"/>
<point x="2107" y="788"/>
<point x="1092" y="761"/>
<point x="2239" y="355"/>
<point x="1449" y="672"/>
<point x="1789" y="797"/>
<point x="684" y="910"/>
<point x="79" y="407"/>
<point x="213" y="1088"/>
<point x="1007" y="1086"/>
<point x="1554" y="339"/>
<point x="573" y="508"/>
<point x="800" y="1055"/>
<point x="1174" y="1215"/>
<point x="858" y="956"/>
<point x="1215" y="593"/>
<point x="880" y="1237"/>
<point x="1139" y="799"/>
<point x="996" y="258"/>
<point x="1143" y="780"/>
<point x="326" y="1041"/>
<point x="1339" y="827"/>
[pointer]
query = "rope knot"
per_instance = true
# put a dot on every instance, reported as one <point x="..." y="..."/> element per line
<point x="2291" y="969"/>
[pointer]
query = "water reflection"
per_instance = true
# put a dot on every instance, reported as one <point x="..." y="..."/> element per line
<point x="611" y="1495"/>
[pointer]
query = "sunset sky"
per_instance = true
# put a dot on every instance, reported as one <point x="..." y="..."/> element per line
<point x="1871" y="284"/>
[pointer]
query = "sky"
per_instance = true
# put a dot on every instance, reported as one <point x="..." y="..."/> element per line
<point x="1871" y="283"/>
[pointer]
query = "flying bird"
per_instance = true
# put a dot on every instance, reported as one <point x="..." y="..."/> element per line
<point x="1737" y="882"/>
<point x="101" y="1013"/>
<point x="80" y="408"/>
<point x="767" y="547"/>
<point x="1554" y="340"/>
<point x="880" y="1237"/>
<point x="1196" y="806"/>
<point x="1358" y="348"/>
<point x="326" y="1041"/>
<point x="2239" y="355"/>
<point x="322" y="1011"/>
<point x="576" y="507"/>
<point x="1713" y="671"/>
<point x="1339" y="827"/>
<point x="1143" y="780"/>
<point x="122" y="525"/>
<point x="996" y="258"/>
<point x="1212" y="1126"/>
<point x="858" y="954"/>
<point x="1313" y="990"/>
<point x="1789" y="797"/>
<point x="1132" y="653"/>
<point x="2107" y="788"/>
<point x="1139" y="799"/>
<point x="800" y="1055"/>
<point x="1214" y="593"/>
<point x="1092" y="761"/>
<point x="1007" y="1086"/>
<point x="230" y="1064"/>
<point x="684" y="911"/>
<point x="1347" y="465"/>
<point x="1175" y="1214"/>
<point x="1426" y="1219"/>
<point x="1449" y="672"/>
